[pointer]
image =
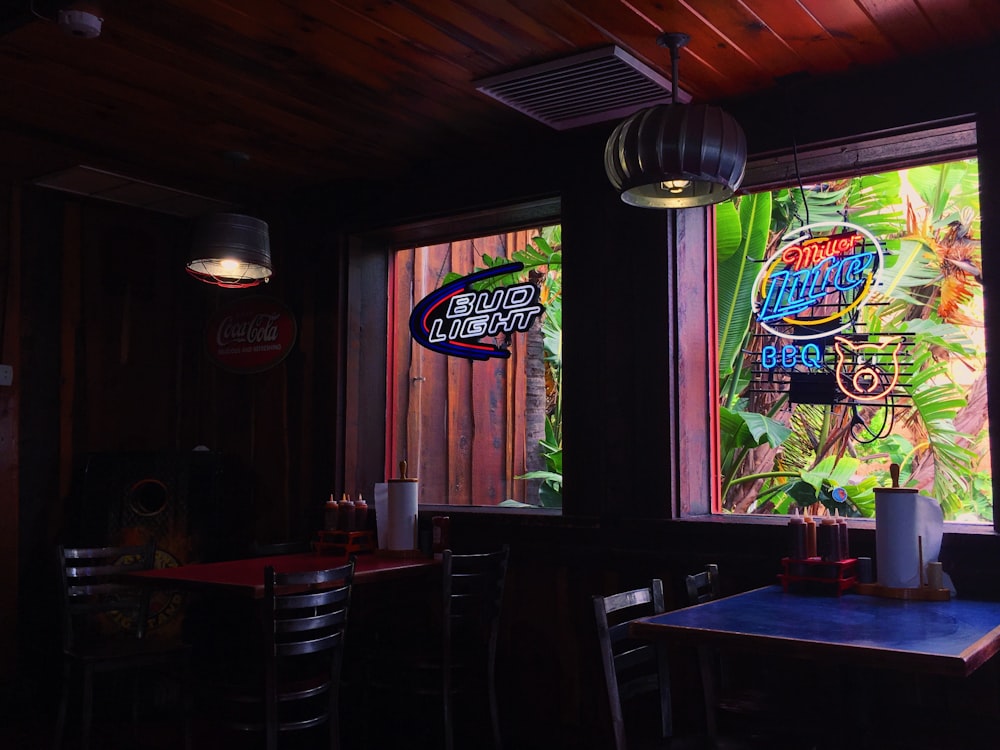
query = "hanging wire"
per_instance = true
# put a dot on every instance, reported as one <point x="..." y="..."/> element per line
<point x="798" y="175"/>
<point x="36" y="14"/>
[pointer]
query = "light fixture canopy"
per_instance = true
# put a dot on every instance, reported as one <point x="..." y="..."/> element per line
<point x="231" y="251"/>
<point x="676" y="155"/>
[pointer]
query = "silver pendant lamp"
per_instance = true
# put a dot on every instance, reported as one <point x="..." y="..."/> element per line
<point x="231" y="250"/>
<point x="676" y="155"/>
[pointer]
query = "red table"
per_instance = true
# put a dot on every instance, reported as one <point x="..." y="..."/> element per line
<point x="246" y="577"/>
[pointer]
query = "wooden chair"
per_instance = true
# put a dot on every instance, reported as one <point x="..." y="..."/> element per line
<point x="103" y="630"/>
<point x="459" y="658"/>
<point x="296" y="684"/>
<point x="704" y="586"/>
<point x="634" y="669"/>
<point x="756" y="713"/>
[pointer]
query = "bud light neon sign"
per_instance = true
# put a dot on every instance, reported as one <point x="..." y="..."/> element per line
<point x="453" y="319"/>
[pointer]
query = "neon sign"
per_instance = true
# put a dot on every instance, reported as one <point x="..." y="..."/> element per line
<point x="812" y="287"/>
<point x="788" y="356"/>
<point x="865" y="371"/>
<point x="809" y="294"/>
<point x="451" y="320"/>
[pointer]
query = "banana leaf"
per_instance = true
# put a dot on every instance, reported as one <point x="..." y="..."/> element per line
<point x="737" y="272"/>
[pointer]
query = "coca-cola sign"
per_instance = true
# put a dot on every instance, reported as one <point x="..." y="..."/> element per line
<point x="251" y="335"/>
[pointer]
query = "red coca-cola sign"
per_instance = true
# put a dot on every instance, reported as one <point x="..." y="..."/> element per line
<point x="250" y="335"/>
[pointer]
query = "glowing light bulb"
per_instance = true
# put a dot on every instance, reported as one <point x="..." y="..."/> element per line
<point x="228" y="264"/>
<point x="675" y="186"/>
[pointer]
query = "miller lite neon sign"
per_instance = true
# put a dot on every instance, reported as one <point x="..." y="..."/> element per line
<point x="814" y="286"/>
<point x="452" y="320"/>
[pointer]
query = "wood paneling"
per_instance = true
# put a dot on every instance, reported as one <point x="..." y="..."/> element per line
<point x="319" y="92"/>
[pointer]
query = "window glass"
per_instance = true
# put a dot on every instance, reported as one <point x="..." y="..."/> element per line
<point x="827" y="379"/>
<point x="478" y="432"/>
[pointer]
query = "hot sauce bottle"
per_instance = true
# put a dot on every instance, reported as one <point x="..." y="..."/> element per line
<point x="810" y="536"/>
<point x="330" y="514"/>
<point x="797" y="536"/>
<point x="828" y="539"/>
<point x="345" y="514"/>
<point x="360" y="514"/>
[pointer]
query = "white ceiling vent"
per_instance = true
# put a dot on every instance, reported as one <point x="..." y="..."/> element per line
<point x="604" y="84"/>
<point x="98" y="183"/>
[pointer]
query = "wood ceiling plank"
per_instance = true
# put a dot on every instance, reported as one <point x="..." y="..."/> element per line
<point x="904" y="23"/>
<point x="817" y="50"/>
<point x="724" y="37"/>
<point x="950" y="18"/>
<point x="297" y="82"/>
<point x="383" y="65"/>
<point x="852" y="28"/>
<point x="624" y="25"/>
<point x="193" y="111"/>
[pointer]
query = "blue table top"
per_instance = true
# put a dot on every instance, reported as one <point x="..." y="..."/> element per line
<point x="952" y="637"/>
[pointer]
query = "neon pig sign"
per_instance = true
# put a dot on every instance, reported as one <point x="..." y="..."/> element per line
<point x="453" y="319"/>
<point x="792" y="293"/>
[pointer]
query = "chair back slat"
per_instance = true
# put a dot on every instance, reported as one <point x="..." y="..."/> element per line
<point x="309" y="599"/>
<point x="300" y="647"/>
<point x="704" y="586"/>
<point x="92" y="585"/>
<point x="473" y="590"/>
<point x="295" y="620"/>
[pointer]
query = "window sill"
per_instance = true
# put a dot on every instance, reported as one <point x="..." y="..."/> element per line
<point x="950" y="527"/>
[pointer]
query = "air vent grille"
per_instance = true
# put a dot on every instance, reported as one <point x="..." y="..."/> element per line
<point x="596" y="86"/>
<point x="109" y="186"/>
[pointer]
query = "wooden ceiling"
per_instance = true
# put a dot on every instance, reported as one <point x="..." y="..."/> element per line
<point x="326" y="91"/>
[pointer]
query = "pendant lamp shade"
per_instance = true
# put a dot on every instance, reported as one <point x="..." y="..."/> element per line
<point x="231" y="250"/>
<point x="676" y="155"/>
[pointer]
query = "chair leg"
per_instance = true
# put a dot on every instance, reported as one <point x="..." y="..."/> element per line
<point x="135" y="705"/>
<point x="494" y="709"/>
<point x="187" y="704"/>
<point x="60" y="727"/>
<point x="705" y="661"/>
<point x="333" y="714"/>
<point x="449" y="734"/>
<point x="87" y="709"/>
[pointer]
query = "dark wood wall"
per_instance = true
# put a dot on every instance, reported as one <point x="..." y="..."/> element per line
<point x="104" y="329"/>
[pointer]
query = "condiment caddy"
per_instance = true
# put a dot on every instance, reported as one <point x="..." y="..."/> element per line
<point x="819" y="560"/>
<point x="347" y="527"/>
<point x="814" y="575"/>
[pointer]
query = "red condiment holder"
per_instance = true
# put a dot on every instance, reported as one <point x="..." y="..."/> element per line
<point x="814" y="575"/>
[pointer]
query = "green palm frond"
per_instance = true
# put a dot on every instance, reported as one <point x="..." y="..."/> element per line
<point x="737" y="272"/>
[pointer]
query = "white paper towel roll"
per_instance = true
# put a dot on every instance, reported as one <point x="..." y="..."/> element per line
<point x="402" y="514"/>
<point x="901" y="517"/>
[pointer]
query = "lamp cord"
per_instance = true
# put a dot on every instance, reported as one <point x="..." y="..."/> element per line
<point x="798" y="175"/>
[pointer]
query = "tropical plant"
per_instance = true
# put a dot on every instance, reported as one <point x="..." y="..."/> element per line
<point x="928" y="220"/>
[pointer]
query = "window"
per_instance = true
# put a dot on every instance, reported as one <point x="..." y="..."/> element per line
<point x="816" y="405"/>
<point x="401" y="401"/>
<point x="484" y="433"/>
